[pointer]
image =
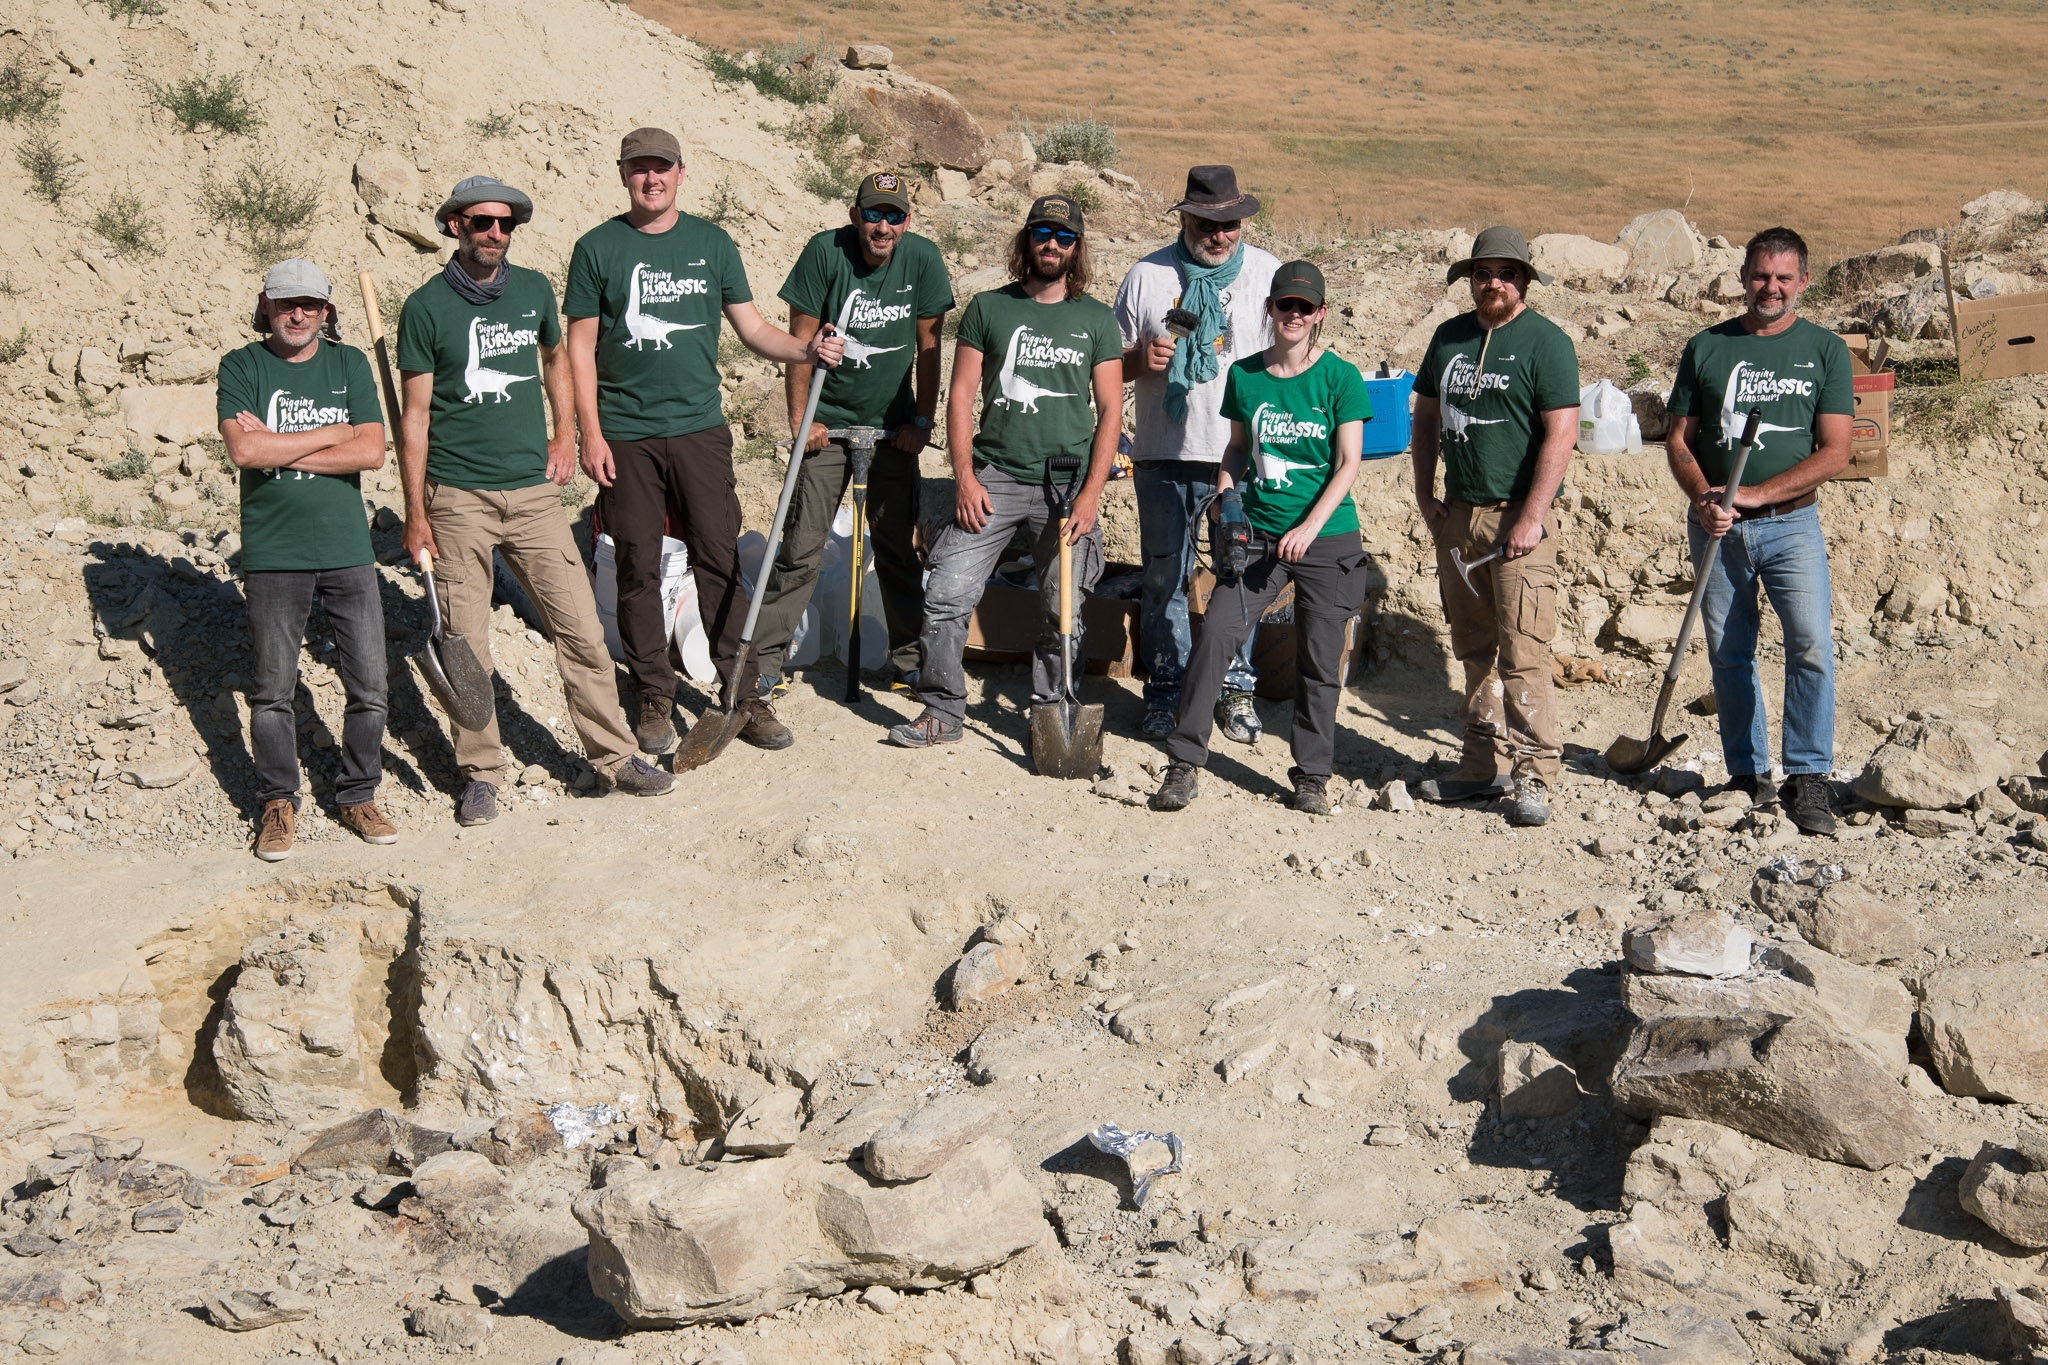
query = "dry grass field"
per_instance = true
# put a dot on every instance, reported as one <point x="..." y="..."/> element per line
<point x="1852" y="119"/>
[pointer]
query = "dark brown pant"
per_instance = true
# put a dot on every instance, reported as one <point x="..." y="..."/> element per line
<point x="694" y="473"/>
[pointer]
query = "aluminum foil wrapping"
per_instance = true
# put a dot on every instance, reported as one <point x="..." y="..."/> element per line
<point x="580" y="1125"/>
<point x="1116" y="1142"/>
<point x="1782" y="869"/>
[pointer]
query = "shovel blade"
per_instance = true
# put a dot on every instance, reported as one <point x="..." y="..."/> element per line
<point x="707" y="738"/>
<point x="1066" y="740"/>
<point x="458" y="681"/>
<point x="1631" y="757"/>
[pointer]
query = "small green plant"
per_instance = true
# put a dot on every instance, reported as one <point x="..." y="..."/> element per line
<point x="800" y="73"/>
<point x="495" y="124"/>
<point x="8" y="288"/>
<point x="205" y="100"/>
<point x="955" y="237"/>
<point x="1088" y="140"/>
<point x="133" y="464"/>
<point x="25" y="96"/>
<point x="214" y="491"/>
<point x="265" y="212"/>
<point x="1638" y="370"/>
<point x="1083" y="193"/>
<point x="157" y="517"/>
<point x="1947" y="408"/>
<point x="725" y="204"/>
<point x="123" y="220"/>
<point x="51" y="170"/>
<point x="76" y="502"/>
<point x="131" y="10"/>
<point x="218" y="449"/>
<point x="15" y="347"/>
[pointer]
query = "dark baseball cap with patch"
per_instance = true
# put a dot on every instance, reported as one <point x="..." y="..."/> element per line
<point x="1055" y="210"/>
<point x="1297" y="280"/>
<point x="883" y="190"/>
<point x="659" y="142"/>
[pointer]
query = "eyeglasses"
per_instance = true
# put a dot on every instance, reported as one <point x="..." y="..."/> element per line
<point x="1209" y="227"/>
<point x="893" y="217"/>
<point x="281" y="308"/>
<point x="1511" y="274"/>
<point x="481" y="222"/>
<point x="1295" y="307"/>
<point x="1042" y="234"/>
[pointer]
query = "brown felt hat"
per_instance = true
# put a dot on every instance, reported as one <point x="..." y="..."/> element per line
<point x="1212" y="193"/>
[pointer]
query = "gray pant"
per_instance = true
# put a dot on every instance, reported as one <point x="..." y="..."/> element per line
<point x="279" y="602"/>
<point x="1329" y="588"/>
<point x="961" y="562"/>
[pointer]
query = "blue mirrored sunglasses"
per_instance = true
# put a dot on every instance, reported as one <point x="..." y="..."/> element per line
<point x="893" y="217"/>
<point x="1043" y="234"/>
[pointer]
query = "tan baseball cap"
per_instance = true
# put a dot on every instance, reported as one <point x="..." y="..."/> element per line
<point x="651" y="142"/>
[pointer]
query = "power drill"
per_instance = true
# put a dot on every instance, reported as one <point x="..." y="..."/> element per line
<point x="1233" y="532"/>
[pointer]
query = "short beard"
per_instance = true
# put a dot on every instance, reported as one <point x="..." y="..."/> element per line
<point x="468" y="253"/>
<point x="1495" y="313"/>
<point x="1039" y="271"/>
<point x="1210" y="256"/>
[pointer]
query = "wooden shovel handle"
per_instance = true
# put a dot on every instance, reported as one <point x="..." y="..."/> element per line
<point x="1066" y="581"/>
<point x="369" y="287"/>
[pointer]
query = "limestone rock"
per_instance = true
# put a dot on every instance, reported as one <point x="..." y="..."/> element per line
<point x="2007" y="1190"/>
<point x="986" y="971"/>
<point x="386" y="1142"/>
<point x="1888" y="265"/>
<point x="1686" y="1162"/>
<point x="185" y="365"/>
<point x="1660" y="243"/>
<point x="918" y="1142"/>
<point x="1794" y="1083"/>
<point x="287" y="1047"/>
<point x="1697" y="943"/>
<point x="1934" y="765"/>
<point x="769" y="1126"/>
<point x="1574" y="259"/>
<point x="454" y="1325"/>
<point x="1824" y="1237"/>
<point x="1646" y="630"/>
<point x="908" y="121"/>
<point x="1999" y="206"/>
<point x="457" y="1177"/>
<point x="248" y="1310"/>
<point x="1854" y="925"/>
<point x="1987" y="1030"/>
<point x="1533" y="1084"/>
<point x="2025" y="1312"/>
<point x="868" y="57"/>
<point x="387" y="179"/>
<point x="974" y="1210"/>
<point x="1936" y="824"/>
<point x="178" y="412"/>
<point x="1650" y="1246"/>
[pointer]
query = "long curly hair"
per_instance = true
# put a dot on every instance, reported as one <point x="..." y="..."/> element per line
<point x="1080" y="272"/>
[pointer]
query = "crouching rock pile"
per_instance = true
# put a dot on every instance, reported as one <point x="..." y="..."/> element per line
<point x="735" y="1240"/>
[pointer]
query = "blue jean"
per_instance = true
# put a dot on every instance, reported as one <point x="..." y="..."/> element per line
<point x="1168" y="493"/>
<point x="1787" y="558"/>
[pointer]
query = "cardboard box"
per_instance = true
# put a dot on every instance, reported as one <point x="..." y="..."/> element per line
<point x="1998" y="338"/>
<point x="1870" y="428"/>
<point x="1004" y="628"/>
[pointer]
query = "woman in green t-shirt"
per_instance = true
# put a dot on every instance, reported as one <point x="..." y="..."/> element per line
<point x="1297" y="423"/>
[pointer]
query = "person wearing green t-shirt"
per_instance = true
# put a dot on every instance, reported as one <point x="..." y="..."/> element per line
<point x="1497" y="401"/>
<point x="299" y="413"/>
<point x="1297" y="419"/>
<point x="1797" y="375"/>
<point x="477" y="346"/>
<point x="1047" y="363"/>
<point x="647" y="292"/>
<point x="896" y="281"/>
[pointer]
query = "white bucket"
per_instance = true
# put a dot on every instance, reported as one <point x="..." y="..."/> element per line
<point x="678" y="603"/>
<point x="803" y="643"/>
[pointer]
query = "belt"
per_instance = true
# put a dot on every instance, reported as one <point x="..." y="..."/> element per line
<point x="1483" y="506"/>
<point x="1779" y="509"/>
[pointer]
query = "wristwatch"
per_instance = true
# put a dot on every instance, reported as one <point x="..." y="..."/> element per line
<point x="921" y="423"/>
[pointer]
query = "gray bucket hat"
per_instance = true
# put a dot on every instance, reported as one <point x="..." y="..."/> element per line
<point x="482" y="189"/>
<point x="297" y="279"/>
<point x="1496" y="244"/>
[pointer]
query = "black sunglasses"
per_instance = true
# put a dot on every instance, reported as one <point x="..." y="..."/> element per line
<point x="481" y="222"/>
<point x="1295" y="307"/>
<point x="893" y="217"/>
<point x="1210" y="227"/>
<point x="1042" y="234"/>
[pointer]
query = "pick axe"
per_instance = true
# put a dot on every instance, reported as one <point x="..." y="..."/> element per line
<point x="1465" y="570"/>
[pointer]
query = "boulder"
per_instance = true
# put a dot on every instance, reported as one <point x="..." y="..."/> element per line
<point x="730" y="1242"/>
<point x="457" y="1178"/>
<point x="1647" y="630"/>
<point x="1853" y="924"/>
<point x="2025" y="1314"/>
<point x="1934" y="765"/>
<point x="1987" y="1030"/>
<point x="287" y="1047"/>
<point x="769" y="1126"/>
<point x="1649" y="1246"/>
<point x="1686" y="1162"/>
<point x="906" y="121"/>
<point x="1646" y="399"/>
<point x="1693" y="942"/>
<point x="1822" y="1236"/>
<point x="1575" y="259"/>
<point x="1660" y="243"/>
<point x="1999" y="206"/>
<point x="455" y="1326"/>
<point x="1889" y="265"/>
<point x="387" y="179"/>
<point x="1918" y="311"/>
<point x="1794" y="1083"/>
<point x="868" y="57"/>
<point x="986" y="971"/>
<point x="178" y="412"/>
<point x="1936" y="824"/>
<point x="919" y="1141"/>
<point x="2006" y="1188"/>
<point x="384" y="1141"/>
<point x="1917" y="599"/>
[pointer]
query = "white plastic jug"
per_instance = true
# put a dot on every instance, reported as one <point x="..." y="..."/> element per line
<point x="1604" y="416"/>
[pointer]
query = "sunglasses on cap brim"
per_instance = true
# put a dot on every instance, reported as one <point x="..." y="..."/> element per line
<point x="894" y="217"/>
<point x="1042" y="233"/>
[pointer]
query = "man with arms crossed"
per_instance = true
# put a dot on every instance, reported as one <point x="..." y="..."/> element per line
<point x="304" y="534"/>
<point x="1798" y="373"/>
<point x="476" y="345"/>
<point x="1178" y="386"/>
<point x="647" y="291"/>
<point x="897" y="281"/>
<point x="1497" y="398"/>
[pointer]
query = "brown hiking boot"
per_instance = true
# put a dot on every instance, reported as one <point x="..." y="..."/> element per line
<point x="656" y="730"/>
<point x="369" y="823"/>
<point x="274" y="831"/>
<point x="762" y="729"/>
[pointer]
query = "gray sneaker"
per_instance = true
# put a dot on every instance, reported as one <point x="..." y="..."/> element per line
<point x="1311" y="793"/>
<point x="1238" y="718"/>
<point x="927" y="731"/>
<point x="637" y="777"/>
<point x="1158" y="722"/>
<point x="1530" y="804"/>
<point x="1447" y="790"/>
<point x="478" y="804"/>
<point x="1180" y="786"/>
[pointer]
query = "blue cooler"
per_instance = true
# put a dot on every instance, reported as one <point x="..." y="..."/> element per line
<point x="1387" y="433"/>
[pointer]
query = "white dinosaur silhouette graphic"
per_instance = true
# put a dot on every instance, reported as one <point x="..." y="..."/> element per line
<point x="859" y="352"/>
<point x="1275" y="472"/>
<point x="270" y="413"/>
<point x="481" y="380"/>
<point x="643" y="327"/>
<point x="1022" y="392"/>
<point x="1459" y="423"/>
<point x="1733" y="419"/>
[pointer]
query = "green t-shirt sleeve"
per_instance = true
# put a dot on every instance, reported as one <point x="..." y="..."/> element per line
<point x="1233" y="400"/>
<point x="732" y="272"/>
<point x="974" y="326"/>
<point x="934" y="290"/>
<point x="235" y="387"/>
<point x="1108" y="341"/>
<point x="363" y="407"/>
<point x="1838" y="392"/>
<point x="1427" y="371"/>
<point x="550" y="318"/>
<point x="1352" y="402"/>
<point x="804" y="290"/>
<point x="585" y="288"/>
<point x="1685" y="389"/>
<point x="415" y="337"/>
<point x="1557" y="374"/>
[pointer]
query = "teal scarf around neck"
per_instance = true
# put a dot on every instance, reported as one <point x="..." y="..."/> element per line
<point x="1194" y="361"/>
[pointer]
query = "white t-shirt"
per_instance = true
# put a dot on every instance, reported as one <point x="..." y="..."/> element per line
<point x="1154" y="286"/>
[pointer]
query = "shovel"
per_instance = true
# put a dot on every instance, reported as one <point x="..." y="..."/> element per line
<point x="1465" y="570"/>
<point x="860" y="443"/>
<point x="717" y="726"/>
<point x="456" y="677"/>
<point x="1066" y="737"/>
<point x="1629" y="756"/>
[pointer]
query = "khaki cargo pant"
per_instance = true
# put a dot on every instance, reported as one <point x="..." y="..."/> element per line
<point x="1501" y="630"/>
<point x="528" y="524"/>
